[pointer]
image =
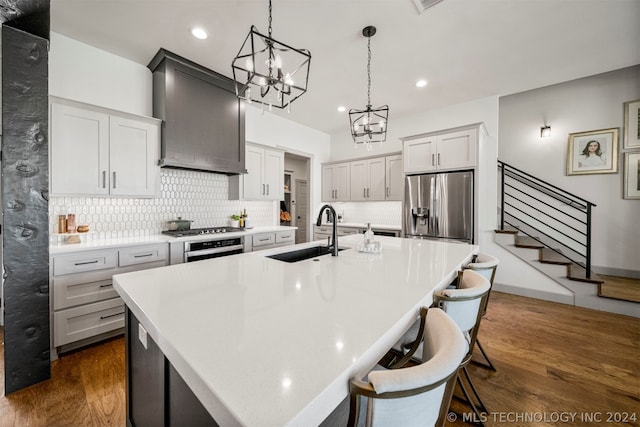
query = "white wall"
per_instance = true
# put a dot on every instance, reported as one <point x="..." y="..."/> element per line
<point x="83" y="73"/>
<point x="586" y="104"/>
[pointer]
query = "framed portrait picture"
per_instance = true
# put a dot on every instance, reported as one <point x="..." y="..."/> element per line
<point x="632" y="124"/>
<point x="632" y="175"/>
<point x="593" y="152"/>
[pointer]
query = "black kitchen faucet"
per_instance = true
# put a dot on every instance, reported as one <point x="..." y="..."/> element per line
<point x="334" y="224"/>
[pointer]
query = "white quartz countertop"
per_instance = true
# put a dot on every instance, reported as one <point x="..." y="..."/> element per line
<point x="90" y="243"/>
<point x="263" y="342"/>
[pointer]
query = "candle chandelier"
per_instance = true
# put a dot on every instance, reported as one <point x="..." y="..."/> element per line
<point x="270" y="72"/>
<point x="369" y="125"/>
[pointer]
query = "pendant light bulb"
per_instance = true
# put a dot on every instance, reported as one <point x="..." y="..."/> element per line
<point x="288" y="80"/>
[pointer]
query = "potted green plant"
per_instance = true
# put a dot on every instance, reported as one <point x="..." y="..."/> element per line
<point x="235" y="220"/>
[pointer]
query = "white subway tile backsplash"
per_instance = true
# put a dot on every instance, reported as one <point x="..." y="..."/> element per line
<point x="387" y="213"/>
<point x="198" y="196"/>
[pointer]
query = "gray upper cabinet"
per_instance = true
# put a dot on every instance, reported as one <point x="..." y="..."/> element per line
<point x="367" y="179"/>
<point x="203" y="120"/>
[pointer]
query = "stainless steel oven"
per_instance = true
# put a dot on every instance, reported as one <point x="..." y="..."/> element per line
<point x="216" y="245"/>
<point x="205" y="249"/>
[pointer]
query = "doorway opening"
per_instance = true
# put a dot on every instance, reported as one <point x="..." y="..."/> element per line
<point x="295" y="208"/>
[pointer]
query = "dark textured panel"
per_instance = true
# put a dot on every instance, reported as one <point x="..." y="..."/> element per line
<point x="31" y="16"/>
<point x="25" y="184"/>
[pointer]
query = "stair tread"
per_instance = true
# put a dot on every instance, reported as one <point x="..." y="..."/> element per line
<point x="622" y="288"/>
<point x="507" y="230"/>
<point x="528" y="242"/>
<point x="579" y="273"/>
<point x="549" y="256"/>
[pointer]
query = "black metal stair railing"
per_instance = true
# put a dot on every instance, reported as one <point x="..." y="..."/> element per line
<point x="554" y="217"/>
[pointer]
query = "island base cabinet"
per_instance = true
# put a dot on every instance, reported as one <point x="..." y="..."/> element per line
<point x="145" y="377"/>
<point x="184" y="407"/>
<point x="156" y="394"/>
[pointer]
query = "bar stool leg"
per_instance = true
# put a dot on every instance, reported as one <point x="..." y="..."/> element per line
<point x="489" y="364"/>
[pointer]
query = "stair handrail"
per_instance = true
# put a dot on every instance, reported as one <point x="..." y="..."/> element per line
<point x="552" y="191"/>
<point x="533" y="178"/>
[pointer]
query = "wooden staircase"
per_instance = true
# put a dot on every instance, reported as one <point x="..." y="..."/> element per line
<point x="620" y="288"/>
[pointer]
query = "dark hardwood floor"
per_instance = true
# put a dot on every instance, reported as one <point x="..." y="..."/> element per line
<point x="557" y="365"/>
<point x="87" y="388"/>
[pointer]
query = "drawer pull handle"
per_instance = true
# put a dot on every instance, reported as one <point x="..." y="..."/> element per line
<point x="143" y="255"/>
<point x="107" y="286"/>
<point x="111" y="315"/>
<point x="286" y="237"/>
<point x="264" y="240"/>
<point x="95" y="261"/>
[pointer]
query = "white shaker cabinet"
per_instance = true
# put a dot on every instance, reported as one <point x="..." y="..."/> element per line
<point x="443" y="151"/>
<point x="368" y="179"/>
<point x="133" y="157"/>
<point x="264" y="179"/>
<point x="100" y="152"/>
<point x="393" y="177"/>
<point x="336" y="182"/>
<point x="79" y="150"/>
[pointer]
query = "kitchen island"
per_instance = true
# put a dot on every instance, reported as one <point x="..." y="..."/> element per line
<point x="262" y="342"/>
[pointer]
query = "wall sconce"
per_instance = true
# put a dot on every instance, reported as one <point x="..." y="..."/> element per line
<point x="545" y="131"/>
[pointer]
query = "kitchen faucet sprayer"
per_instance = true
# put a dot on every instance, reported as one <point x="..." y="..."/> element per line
<point x="334" y="232"/>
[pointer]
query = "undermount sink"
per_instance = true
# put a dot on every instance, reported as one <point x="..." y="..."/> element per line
<point x="302" y="254"/>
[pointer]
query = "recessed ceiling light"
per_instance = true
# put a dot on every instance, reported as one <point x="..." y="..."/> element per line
<point x="199" y="33"/>
<point x="421" y="83"/>
<point x="342" y="108"/>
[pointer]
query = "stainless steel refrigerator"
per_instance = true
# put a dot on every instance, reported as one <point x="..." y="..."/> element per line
<point x="439" y="206"/>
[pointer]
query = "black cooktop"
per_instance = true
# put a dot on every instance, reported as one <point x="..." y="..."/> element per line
<point x="202" y="231"/>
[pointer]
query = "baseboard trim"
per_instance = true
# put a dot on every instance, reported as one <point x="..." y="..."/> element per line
<point x="534" y="293"/>
<point x="619" y="272"/>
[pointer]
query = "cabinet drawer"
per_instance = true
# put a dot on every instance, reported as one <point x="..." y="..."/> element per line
<point x="142" y="254"/>
<point x="76" y="289"/>
<point x="349" y="231"/>
<point x="84" y="261"/>
<point x="264" y="239"/>
<point x="285" y="237"/>
<point x="322" y="229"/>
<point x="78" y="323"/>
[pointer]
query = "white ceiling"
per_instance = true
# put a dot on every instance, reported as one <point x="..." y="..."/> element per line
<point x="466" y="49"/>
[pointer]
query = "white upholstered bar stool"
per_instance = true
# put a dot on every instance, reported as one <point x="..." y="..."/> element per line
<point x="486" y="265"/>
<point x="465" y="306"/>
<point x="417" y="395"/>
